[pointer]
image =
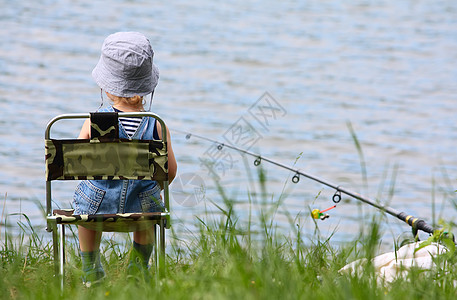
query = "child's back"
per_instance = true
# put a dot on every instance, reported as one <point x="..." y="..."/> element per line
<point x="126" y="73"/>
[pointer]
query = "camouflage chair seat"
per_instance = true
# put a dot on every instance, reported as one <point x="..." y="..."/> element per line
<point x="105" y="157"/>
<point x="127" y="222"/>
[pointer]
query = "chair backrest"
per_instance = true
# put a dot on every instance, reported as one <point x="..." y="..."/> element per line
<point x="105" y="155"/>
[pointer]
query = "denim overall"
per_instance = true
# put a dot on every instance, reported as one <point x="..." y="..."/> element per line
<point x="120" y="196"/>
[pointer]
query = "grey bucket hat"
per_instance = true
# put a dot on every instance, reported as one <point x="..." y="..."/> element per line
<point x="126" y="67"/>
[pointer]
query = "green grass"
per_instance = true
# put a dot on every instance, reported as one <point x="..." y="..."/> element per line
<point x="224" y="259"/>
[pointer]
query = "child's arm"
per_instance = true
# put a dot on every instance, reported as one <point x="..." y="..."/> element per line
<point x="85" y="130"/>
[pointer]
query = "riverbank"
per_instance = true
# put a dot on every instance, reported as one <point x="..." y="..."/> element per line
<point x="224" y="259"/>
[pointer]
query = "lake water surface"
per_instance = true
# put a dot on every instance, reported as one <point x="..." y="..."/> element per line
<point x="387" y="68"/>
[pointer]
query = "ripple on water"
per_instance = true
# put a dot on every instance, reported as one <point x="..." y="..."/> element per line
<point x="389" y="68"/>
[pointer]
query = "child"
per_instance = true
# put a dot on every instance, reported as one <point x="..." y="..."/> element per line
<point x="126" y="73"/>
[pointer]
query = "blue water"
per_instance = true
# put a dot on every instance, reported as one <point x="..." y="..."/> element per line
<point x="389" y="68"/>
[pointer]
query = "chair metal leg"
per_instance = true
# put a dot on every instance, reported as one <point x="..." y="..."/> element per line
<point x="154" y="243"/>
<point x="55" y="248"/>
<point x="159" y="249"/>
<point x="162" y="238"/>
<point x="162" y="248"/>
<point x="62" y="255"/>
<point x="156" y="253"/>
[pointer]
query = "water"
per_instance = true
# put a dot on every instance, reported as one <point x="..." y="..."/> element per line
<point x="387" y="68"/>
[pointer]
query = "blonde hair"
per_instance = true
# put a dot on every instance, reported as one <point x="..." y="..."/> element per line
<point x="135" y="101"/>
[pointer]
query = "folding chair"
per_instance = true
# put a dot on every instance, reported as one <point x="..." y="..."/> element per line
<point x="106" y="156"/>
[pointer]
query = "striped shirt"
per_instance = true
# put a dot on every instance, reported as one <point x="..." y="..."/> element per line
<point x="130" y="124"/>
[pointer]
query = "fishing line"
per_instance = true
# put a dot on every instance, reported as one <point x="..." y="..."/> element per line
<point x="415" y="223"/>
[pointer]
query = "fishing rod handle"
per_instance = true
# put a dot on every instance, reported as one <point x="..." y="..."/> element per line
<point x="424" y="226"/>
<point x="416" y="223"/>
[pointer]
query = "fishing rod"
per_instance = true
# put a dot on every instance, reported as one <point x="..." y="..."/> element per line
<point x="415" y="223"/>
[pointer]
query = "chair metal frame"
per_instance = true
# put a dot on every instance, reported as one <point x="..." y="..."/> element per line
<point x="160" y="221"/>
